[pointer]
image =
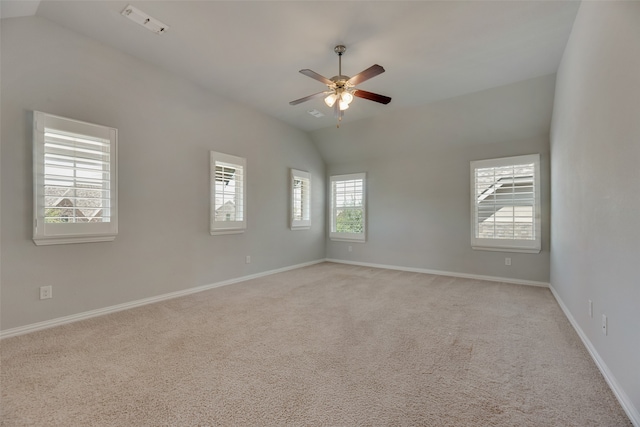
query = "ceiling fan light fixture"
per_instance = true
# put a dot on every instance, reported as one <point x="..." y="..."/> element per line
<point x="331" y="99"/>
<point x="343" y="105"/>
<point x="346" y="97"/>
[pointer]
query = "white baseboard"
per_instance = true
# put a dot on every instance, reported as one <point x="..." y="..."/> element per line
<point x="444" y="273"/>
<point x="626" y="403"/>
<point x="21" y="330"/>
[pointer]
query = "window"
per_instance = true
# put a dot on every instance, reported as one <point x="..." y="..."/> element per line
<point x="505" y="204"/>
<point x="75" y="181"/>
<point x="228" y="194"/>
<point x="348" y="212"/>
<point x="300" y="199"/>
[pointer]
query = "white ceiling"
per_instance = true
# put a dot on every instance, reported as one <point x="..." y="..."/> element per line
<point x="15" y="9"/>
<point x="251" y="52"/>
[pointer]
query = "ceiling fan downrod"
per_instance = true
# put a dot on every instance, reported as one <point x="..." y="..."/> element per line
<point x="340" y="49"/>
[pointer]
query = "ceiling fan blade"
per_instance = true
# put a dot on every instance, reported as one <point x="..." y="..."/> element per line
<point x="306" y="98"/>
<point x="317" y="77"/>
<point x="372" y="71"/>
<point x="372" y="96"/>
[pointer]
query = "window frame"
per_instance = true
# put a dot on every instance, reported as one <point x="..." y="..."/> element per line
<point x="341" y="236"/>
<point x="305" y="200"/>
<point x="45" y="233"/>
<point x="508" y="245"/>
<point x="217" y="227"/>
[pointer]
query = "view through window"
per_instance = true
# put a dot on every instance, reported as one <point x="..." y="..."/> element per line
<point x="348" y="220"/>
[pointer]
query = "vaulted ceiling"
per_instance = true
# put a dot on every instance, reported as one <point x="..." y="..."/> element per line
<point x="251" y="52"/>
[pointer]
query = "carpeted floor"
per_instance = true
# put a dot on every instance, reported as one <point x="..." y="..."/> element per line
<point x="325" y="345"/>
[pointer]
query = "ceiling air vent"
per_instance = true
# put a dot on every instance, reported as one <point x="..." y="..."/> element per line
<point x="139" y="17"/>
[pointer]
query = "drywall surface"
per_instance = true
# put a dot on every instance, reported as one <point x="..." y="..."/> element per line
<point x="418" y="211"/>
<point x="167" y="126"/>
<point x="595" y="150"/>
<point x="418" y="183"/>
<point x="508" y="113"/>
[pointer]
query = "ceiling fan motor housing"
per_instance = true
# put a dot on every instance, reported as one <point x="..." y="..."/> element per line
<point x="341" y="81"/>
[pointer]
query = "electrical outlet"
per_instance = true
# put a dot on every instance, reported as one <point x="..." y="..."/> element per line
<point x="248" y="259"/>
<point x="46" y="292"/>
<point x="604" y="325"/>
<point x="507" y="261"/>
<point x="591" y="309"/>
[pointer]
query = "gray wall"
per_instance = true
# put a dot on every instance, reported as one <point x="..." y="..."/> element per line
<point x="166" y="128"/>
<point x="417" y="165"/>
<point x="595" y="151"/>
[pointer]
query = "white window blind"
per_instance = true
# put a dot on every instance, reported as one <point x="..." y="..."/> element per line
<point x="228" y="193"/>
<point x="300" y="199"/>
<point x="348" y="207"/>
<point x="75" y="181"/>
<point x="76" y="171"/>
<point x="506" y="204"/>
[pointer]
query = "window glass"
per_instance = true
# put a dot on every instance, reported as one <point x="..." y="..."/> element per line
<point x="348" y="208"/>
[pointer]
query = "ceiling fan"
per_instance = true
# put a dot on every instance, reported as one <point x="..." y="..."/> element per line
<point x="341" y="89"/>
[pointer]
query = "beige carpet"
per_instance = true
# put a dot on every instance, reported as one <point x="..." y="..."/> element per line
<point x="326" y="345"/>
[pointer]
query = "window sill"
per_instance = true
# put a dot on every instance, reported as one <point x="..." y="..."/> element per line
<point x="344" y="239"/>
<point x="518" y="250"/>
<point x="220" y="232"/>
<point x="46" y="241"/>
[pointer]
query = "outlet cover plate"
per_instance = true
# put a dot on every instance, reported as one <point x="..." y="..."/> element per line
<point x="46" y="292"/>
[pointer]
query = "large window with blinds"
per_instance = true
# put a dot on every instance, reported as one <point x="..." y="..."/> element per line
<point x="505" y="204"/>
<point x="348" y="207"/>
<point x="300" y="199"/>
<point x="75" y="181"/>
<point x="228" y="194"/>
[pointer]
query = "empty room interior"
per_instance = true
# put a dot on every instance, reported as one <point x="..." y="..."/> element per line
<point x="320" y="213"/>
